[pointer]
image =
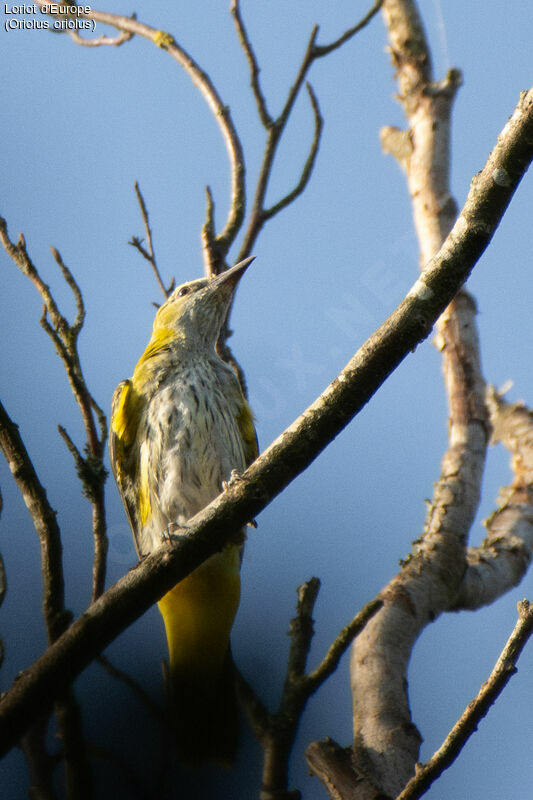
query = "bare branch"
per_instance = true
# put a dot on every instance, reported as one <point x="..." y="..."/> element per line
<point x="501" y="561"/>
<point x="90" y="468"/>
<point x="204" y="84"/>
<point x="212" y="263"/>
<point x="276" y="732"/>
<point x="340" y="644"/>
<point x="324" y="49"/>
<point x="275" y="127"/>
<point x="468" y="723"/>
<point x="334" y="766"/>
<point x="56" y="617"/>
<point x="429" y="580"/>
<point x="100" y="41"/>
<point x="301" y="631"/>
<point x="308" y="166"/>
<point x="44" y="520"/>
<point x="295" y="448"/>
<point x="253" y="64"/>
<point x="149" y="253"/>
<point x="71" y="282"/>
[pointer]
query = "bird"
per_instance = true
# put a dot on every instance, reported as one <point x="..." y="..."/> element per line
<point x="180" y="429"/>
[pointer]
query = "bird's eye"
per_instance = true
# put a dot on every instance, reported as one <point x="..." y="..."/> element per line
<point x="184" y="290"/>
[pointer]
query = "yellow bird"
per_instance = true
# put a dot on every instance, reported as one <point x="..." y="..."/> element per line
<point x="179" y="427"/>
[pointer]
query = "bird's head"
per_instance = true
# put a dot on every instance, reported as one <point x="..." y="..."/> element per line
<point x="196" y="310"/>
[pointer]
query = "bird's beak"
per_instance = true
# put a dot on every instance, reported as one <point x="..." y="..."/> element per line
<point x="232" y="276"/>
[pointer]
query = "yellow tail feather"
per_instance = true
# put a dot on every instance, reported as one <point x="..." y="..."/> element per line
<point x="198" y="615"/>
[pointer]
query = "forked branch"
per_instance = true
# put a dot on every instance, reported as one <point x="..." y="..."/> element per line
<point x="64" y="335"/>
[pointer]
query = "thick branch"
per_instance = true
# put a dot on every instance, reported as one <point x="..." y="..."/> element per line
<point x="501" y="561"/>
<point x="45" y="522"/>
<point x="429" y="581"/>
<point x="294" y="450"/>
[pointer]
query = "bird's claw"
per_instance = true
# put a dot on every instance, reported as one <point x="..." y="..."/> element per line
<point x="235" y="477"/>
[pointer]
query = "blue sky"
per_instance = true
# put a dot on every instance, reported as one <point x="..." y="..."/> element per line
<point x="79" y="126"/>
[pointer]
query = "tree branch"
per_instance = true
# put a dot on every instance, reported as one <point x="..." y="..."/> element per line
<point x="90" y="467"/>
<point x="275" y="127"/>
<point x="56" y="617"/>
<point x="268" y="213"/>
<point x="277" y="731"/>
<point x="149" y="253"/>
<point x="253" y="64"/>
<point x="501" y="561"/>
<point x="468" y="723"/>
<point x="220" y="111"/>
<point x="294" y="450"/>
<point x="429" y="580"/>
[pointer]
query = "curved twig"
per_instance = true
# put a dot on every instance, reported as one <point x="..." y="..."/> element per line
<point x="220" y="111"/>
<point x="309" y="163"/>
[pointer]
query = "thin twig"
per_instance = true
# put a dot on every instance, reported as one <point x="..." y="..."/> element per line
<point x="469" y="720"/>
<point x="309" y="163"/>
<point x="99" y="41"/>
<point x="149" y="253"/>
<point x="324" y="49"/>
<point x="90" y="467"/>
<point x="275" y="127"/>
<point x="340" y="644"/>
<point x="220" y="111"/>
<point x="140" y="693"/>
<point x="253" y="64"/>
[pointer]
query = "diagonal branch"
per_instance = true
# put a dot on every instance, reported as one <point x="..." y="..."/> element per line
<point x="268" y="213"/>
<point x="478" y="708"/>
<point x="325" y="49"/>
<point x="295" y="448"/>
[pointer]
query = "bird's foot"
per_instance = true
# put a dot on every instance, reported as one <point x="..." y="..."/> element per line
<point x="173" y="531"/>
<point x="235" y="477"/>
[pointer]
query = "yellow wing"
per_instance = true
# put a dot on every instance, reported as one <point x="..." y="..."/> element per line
<point x="245" y="422"/>
<point x="126" y="413"/>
